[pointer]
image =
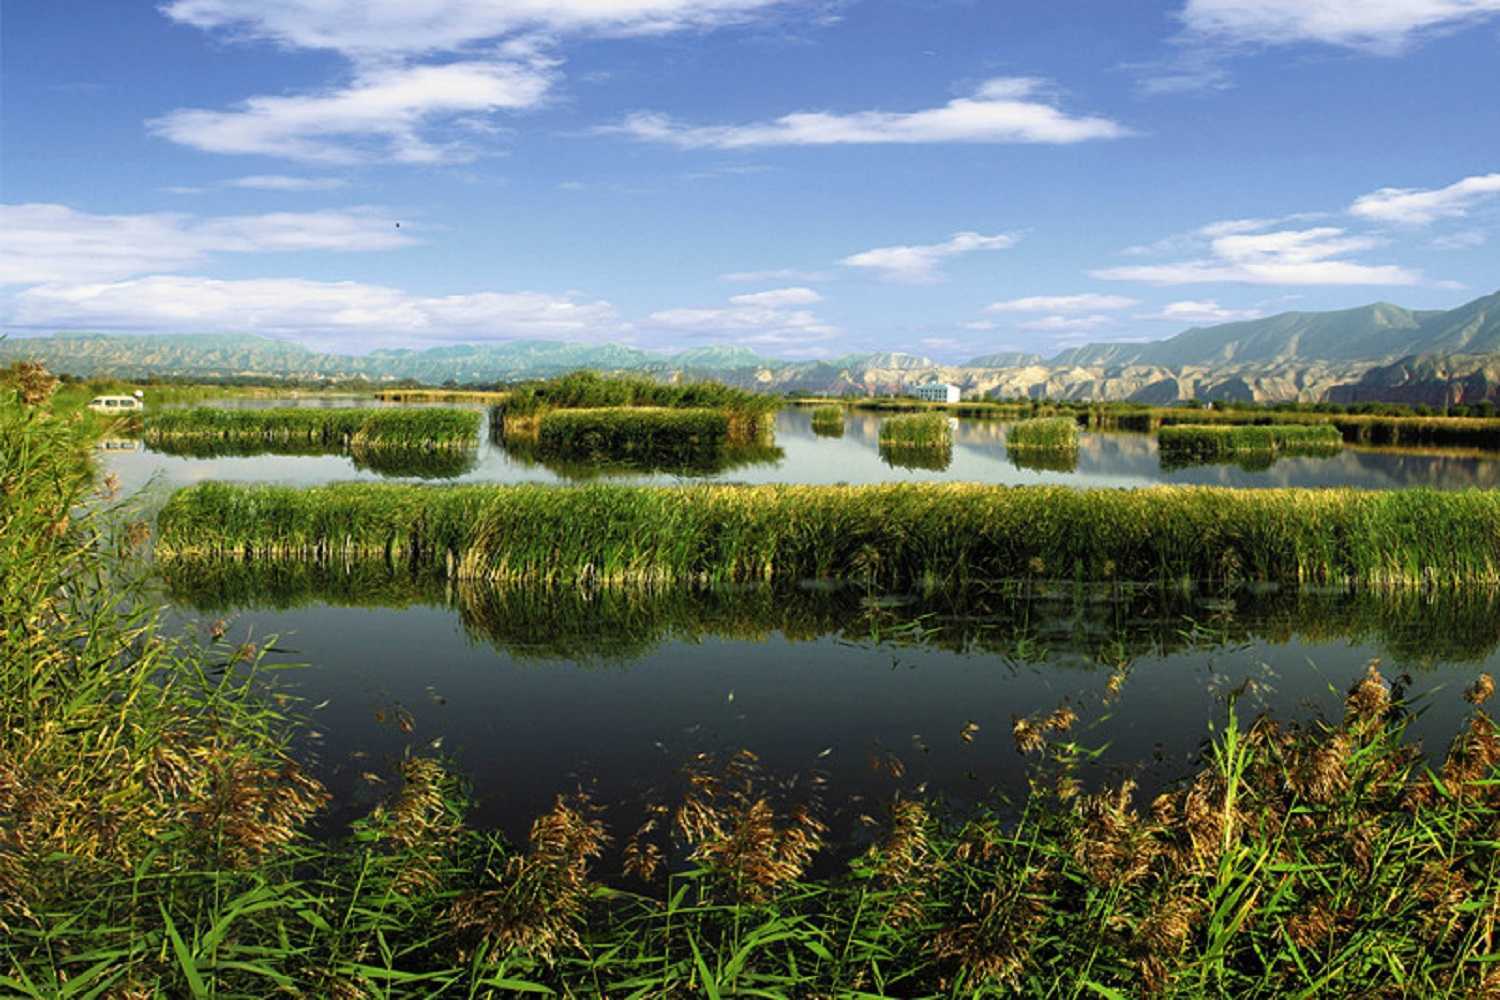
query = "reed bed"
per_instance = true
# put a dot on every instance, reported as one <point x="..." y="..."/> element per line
<point x="342" y="427"/>
<point x="828" y="421"/>
<point x="746" y="416"/>
<point x="917" y="430"/>
<point x="1358" y="428"/>
<point x="1209" y="443"/>
<point x="442" y="396"/>
<point x="649" y="432"/>
<point x="921" y="534"/>
<point x="1043" y="434"/>
<point x="588" y="390"/>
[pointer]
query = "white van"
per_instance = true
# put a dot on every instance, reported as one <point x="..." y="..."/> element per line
<point x="117" y="404"/>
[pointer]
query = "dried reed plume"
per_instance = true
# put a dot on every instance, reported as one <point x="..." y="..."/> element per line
<point x="736" y="832"/>
<point x="538" y="906"/>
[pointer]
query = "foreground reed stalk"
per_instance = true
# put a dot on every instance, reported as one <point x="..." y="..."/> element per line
<point x="927" y="535"/>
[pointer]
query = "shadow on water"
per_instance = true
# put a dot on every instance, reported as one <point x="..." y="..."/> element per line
<point x="932" y="458"/>
<point x="1021" y="620"/>
<point x="386" y="460"/>
<point x="668" y="461"/>
<point x="534" y="689"/>
<point x="1041" y="460"/>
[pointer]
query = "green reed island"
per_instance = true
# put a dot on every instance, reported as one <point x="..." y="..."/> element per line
<point x="746" y="416"/>
<point x="917" y="430"/>
<point x="1219" y="443"/>
<point x="330" y="427"/>
<point x="1043" y="434"/>
<point x="925" y="534"/>
<point x="828" y="421"/>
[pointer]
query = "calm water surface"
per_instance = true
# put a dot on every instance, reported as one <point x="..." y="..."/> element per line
<point x="978" y="455"/>
<point x="535" y="692"/>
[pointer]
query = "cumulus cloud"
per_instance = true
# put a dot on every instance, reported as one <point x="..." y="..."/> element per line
<point x="1315" y="256"/>
<point x="762" y="319"/>
<point x="371" y="29"/>
<point x="407" y="114"/>
<point x="428" y="79"/>
<point x="1200" y="311"/>
<point x="1381" y="26"/>
<point x="54" y="243"/>
<point x="778" y="298"/>
<point x="1422" y="206"/>
<point x="919" y="264"/>
<point x="1087" y="302"/>
<point x="1003" y="110"/>
<point x="297" y="306"/>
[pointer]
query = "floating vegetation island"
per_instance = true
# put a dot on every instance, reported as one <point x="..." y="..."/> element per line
<point x="333" y="427"/>
<point x="1043" y="443"/>
<point x="917" y="441"/>
<point x="635" y="424"/>
<point x="925" y="534"/>
<point x="1192" y="444"/>
<point x="828" y="421"/>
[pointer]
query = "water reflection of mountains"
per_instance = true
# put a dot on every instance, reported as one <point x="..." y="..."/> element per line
<point x="1062" y="624"/>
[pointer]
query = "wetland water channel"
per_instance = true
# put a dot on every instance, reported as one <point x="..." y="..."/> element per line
<point x="539" y="692"/>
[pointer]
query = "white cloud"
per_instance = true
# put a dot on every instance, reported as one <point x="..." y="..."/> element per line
<point x="427" y="79"/>
<point x="1200" y="311"/>
<point x="1466" y="239"/>
<point x="297" y="306"/>
<point x="1287" y="257"/>
<point x="1380" y="26"/>
<point x="1087" y="302"/>
<point x="980" y="325"/>
<point x="370" y="29"/>
<point x="1067" y="324"/>
<point x="778" y="298"/>
<point x="1421" y="206"/>
<point x="281" y="182"/>
<point x="779" y="274"/>
<point x="919" y="264"/>
<point x="1004" y="110"/>
<point x="53" y="243"/>
<point x="758" y="319"/>
<point x="410" y="114"/>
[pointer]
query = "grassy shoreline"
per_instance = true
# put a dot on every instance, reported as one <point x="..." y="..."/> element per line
<point x="929" y="535"/>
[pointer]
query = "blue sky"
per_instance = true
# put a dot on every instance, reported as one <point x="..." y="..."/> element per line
<point x="808" y="179"/>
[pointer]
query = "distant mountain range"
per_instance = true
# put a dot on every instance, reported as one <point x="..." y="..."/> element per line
<point x="1379" y="351"/>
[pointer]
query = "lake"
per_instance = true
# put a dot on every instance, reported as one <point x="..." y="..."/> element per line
<point x="864" y="695"/>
